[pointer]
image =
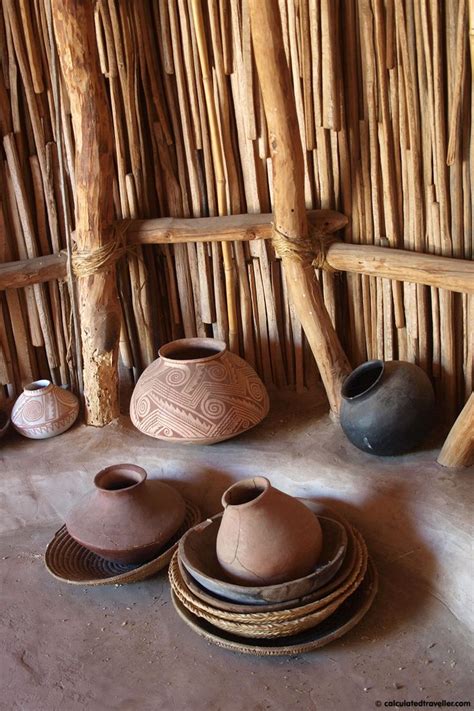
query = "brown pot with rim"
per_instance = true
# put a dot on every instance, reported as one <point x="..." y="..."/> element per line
<point x="127" y="518"/>
<point x="198" y="392"/>
<point x="266" y="536"/>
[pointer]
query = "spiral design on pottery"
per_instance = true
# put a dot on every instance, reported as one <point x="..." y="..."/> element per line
<point x="256" y="390"/>
<point x="176" y="377"/>
<point x="213" y="408"/>
<point x="142" y="407"/>
<point x="33" y="411"/>
<point x="217" y="372"/>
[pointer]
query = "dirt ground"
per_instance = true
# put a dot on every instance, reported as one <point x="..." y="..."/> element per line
<point x="67" y="648"/>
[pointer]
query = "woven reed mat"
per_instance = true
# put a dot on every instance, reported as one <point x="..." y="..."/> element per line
<point x="72" y="563"/>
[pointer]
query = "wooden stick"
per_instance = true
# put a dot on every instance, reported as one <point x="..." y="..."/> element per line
<point x="98" y="300"/>
<point x="461" y="40"/>
<point x="289" y="206"/>
<point x="247" y="227"/>
<point x="219" y="170"/>
<point x="458" y="449"/>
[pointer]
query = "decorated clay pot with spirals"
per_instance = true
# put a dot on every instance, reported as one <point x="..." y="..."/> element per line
<point x="44" y="410"/>
<point x="197" y="392"/>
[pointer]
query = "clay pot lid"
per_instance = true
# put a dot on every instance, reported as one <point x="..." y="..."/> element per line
<point x="362" y="379"/>
<point x="244" y="493"/>
<point x="192" y="350"/>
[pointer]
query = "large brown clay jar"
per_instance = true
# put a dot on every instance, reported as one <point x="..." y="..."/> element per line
<point x="197" y="392"/>
<point x="266" y="536"/>
<point x="127" y="518"/>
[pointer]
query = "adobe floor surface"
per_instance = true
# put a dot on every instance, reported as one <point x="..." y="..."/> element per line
<point x="67" y="648"/>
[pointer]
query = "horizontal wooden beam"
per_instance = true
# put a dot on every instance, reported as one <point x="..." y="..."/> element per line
<point x="430" y="269"/>
<point x="229" y="228"/>
<point x="15" y="275"/>
<point x="402" y="265"/>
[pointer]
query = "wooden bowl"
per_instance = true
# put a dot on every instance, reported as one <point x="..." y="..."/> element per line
<point x="351" y="561"/>
<point x="338" y="624"/>
<point x="267" y="624"/>
<point x="197" y="551"/>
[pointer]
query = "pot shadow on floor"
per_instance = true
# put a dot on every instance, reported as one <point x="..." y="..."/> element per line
<point x="204" y="488"/>
<point x="406" y="565"/>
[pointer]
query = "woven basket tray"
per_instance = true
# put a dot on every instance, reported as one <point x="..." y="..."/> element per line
<point x="72" y="563"/>
<point x="270" y="624"/>
<point x="335" y="626"/>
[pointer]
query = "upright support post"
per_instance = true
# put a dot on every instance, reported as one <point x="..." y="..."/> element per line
<point x="99" y="308"/>
<point x="458" y="450"/>
<point x="291" y="224"/>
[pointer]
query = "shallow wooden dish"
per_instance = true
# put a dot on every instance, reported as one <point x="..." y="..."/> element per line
<point x="351" y="560"/>
<point x="197" y="552"/>
<point x="72" y="563"/>
<point x="265" y="624"/>
<point x="335" y="626"/>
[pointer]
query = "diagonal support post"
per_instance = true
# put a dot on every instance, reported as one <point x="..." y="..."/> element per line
<point x="290" y="224"/>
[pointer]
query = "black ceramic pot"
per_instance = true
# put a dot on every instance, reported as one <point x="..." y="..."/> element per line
<point x="387" y="407"/>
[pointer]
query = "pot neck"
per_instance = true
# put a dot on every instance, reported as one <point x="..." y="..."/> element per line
<point x="363" y="380"/>
<point x="247" y="493"/>
<point x="190" y="351"/>
<point x="120" y="480"/>
<point x="38" y="388"/>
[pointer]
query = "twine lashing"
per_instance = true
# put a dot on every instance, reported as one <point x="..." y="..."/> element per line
<point x="312" y="249"/>
<point x="88" y="262"/>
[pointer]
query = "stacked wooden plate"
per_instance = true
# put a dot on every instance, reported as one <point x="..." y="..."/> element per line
<point x="289" y="618"/>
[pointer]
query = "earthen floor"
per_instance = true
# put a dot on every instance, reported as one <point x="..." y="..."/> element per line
<point x="66" y="648"/>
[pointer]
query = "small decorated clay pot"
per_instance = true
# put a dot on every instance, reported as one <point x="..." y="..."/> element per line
<point x="266" y="536"/>
<point x="127" y="518"/>
<point x="44" y="410"/>
<point x="387" y="407"/>
<point x="197" y="392"/>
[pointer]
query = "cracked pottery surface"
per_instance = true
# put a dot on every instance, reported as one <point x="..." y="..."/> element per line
<point x="288" y="535"/>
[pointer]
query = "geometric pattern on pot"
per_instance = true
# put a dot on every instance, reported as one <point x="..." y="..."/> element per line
<point x="44" y="410"/>
<point x="198" y="392"/>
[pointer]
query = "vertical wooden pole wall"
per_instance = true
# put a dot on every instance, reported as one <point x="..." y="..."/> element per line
<point x="99" y="307"/>
<point x="289" y="197"/>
